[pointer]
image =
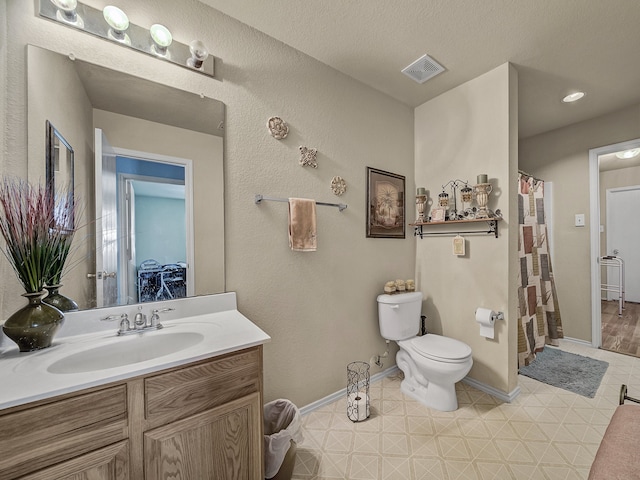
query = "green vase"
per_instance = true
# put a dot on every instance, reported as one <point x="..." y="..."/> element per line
<point x="56" y="299"/>
<point x="33" y="326"/>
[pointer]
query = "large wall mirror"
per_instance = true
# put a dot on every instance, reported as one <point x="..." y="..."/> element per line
<point x="147" y="176"/>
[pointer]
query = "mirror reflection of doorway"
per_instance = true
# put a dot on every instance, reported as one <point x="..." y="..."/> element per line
<point x="146" y="243"/>
<point x="618" y="255"/>
<point x="152" y="210"/>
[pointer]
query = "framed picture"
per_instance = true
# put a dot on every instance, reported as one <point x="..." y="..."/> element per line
<point x="438" y="214"/>
<point x="385" y="204"/>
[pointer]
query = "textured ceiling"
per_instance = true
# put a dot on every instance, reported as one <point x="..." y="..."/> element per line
<point x="557" y="46"/>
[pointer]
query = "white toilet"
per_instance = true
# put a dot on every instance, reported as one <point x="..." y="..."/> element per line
<point x="432" y="364"/>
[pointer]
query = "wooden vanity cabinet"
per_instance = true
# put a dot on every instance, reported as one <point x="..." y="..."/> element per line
<point x="194" y="422"/>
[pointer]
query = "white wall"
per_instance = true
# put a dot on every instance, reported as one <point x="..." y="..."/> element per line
<point x="320" y="307"/>
<point x="467" y="131"/>
<point x="562" y="156"/>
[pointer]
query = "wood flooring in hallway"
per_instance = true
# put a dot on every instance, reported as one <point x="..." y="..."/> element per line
<point x="621" y="334"/>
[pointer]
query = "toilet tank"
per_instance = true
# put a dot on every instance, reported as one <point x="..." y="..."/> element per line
<point x="399" y="315"/>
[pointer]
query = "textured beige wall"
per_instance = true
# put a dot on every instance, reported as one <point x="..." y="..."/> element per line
<point x="562" y="156"/>
<point x="467" y="131"/>
<point x="319" y="308"/>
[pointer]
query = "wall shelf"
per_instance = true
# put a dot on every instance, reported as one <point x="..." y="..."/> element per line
<point x="492" y="223"/>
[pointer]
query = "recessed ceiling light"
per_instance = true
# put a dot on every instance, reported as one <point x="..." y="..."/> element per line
<point x="573" y="97"/>
<point x="634" y="152"/>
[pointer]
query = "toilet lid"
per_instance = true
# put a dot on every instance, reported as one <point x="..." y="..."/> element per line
<point x="441" y="348"/>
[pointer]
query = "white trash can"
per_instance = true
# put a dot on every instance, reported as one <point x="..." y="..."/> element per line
<point x="282" y="433"/>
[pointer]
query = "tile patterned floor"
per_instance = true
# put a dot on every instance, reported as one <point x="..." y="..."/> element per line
<point x="546" y="433"/>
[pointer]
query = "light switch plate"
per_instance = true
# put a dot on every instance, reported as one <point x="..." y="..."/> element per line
<point x="579" y="219"/>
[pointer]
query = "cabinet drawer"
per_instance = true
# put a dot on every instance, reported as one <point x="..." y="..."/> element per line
<point x="190" y="390"/>
<point x="36" y="437"/>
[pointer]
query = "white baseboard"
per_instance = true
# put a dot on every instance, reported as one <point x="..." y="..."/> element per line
<point x="578" y="340"/>
<point x="494" y="392"/>
<point x="343" y="393"/>
<point x="483" y="387"/>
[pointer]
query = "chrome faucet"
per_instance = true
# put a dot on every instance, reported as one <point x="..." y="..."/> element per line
<point x="125" y="325"/>
<point x="155" y="317"/>
<point x="140" y="322"/>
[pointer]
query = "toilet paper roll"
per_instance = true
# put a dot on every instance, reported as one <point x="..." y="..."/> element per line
<point x="486" y="319"/>
<point x="358" y="406"/>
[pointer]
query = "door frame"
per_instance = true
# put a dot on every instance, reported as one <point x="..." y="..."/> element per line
<point x="594" y="213"/>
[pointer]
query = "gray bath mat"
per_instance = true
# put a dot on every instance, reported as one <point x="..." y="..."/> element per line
<point x="575" y="373"/>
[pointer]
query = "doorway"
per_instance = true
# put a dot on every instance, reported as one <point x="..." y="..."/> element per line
<point x="615" y="196"/>
<point x="622" y="204"/>
<point x="144" y="236"/>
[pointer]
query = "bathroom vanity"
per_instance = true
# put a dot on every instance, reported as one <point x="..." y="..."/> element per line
<point x="192" y="413"/>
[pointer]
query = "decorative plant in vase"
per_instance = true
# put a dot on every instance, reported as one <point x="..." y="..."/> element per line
<point x="37" y="233"/>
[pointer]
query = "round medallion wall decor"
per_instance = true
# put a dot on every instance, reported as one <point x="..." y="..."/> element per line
<point x="338" y="185"/>
<point x="278" y="128"/>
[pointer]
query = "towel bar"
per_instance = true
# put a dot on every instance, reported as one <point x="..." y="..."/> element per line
<point x="259" y="198"/>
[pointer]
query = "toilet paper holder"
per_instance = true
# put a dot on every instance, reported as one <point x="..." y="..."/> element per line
<point x="487" y="319"/>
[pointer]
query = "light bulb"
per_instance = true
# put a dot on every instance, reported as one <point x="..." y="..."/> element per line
<point x="199" y="54"/>
<point x="573" y="97"/>
<point x="118" y="23"/>
<point x="161" y="38"/>
<point x="628" y="153"/>
<point x="66" y="9"/>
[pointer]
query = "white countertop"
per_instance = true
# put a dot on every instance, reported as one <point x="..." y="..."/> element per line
<point x="27" y="376"/>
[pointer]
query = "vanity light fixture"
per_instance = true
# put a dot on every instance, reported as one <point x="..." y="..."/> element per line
<point x="199" y="54"/>
<point x="161" y="37"/>
<point x="111" y="23"/>
<point x="118" y="24"/>
<point x="66" y="11"/>
<point x="573" y="97"/>
<point x="634" y="152"/>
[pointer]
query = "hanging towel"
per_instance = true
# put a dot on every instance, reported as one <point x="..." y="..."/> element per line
<point x="302" y="225"/>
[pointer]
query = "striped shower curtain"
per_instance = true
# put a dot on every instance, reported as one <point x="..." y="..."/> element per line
<point x="539" y="321"/>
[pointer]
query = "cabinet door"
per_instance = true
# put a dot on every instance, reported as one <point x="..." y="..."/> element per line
<point x="108" y="463"/>
<point x="221" y="443"/>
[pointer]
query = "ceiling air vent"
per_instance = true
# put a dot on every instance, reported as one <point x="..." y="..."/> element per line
<point x="423" y="69"/>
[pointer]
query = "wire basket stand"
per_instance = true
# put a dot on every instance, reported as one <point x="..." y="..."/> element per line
<point x="358" y="391"/>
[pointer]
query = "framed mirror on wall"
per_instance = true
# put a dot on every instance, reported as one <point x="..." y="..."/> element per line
<point x="151" y="120"/>
<point x="59" y="166"/>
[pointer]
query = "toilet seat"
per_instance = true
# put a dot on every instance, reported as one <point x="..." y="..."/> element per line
<point x="440" y="349"/>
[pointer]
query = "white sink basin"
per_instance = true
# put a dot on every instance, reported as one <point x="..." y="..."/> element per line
<point x="126" y="351"/>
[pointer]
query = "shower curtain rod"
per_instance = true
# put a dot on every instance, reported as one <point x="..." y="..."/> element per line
<point x="529" y="175"/>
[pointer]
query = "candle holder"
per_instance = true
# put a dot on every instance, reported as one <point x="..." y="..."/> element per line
<point x="482" y="192"/>
<point x="443" y="199"/>
<point x="421" y="201"/>
<point x="452" y="203"/>
<point x="466" y="194"/>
